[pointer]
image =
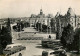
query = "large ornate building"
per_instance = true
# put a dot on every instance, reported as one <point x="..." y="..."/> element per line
<point x="40" y="18"/>
<point x="69" y="18"/>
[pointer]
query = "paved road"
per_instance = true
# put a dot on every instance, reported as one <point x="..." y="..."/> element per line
<point x="33" y="48"/>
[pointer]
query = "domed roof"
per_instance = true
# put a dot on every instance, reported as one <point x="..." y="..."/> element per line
<point x="71" y="12"/>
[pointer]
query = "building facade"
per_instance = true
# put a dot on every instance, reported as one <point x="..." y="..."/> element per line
<point x="40" y="18"/>
<point x="69" y="18"/>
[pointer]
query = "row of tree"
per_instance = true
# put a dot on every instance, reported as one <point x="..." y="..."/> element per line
<point x="70" y="38"/>
<point x="41" y="27"/>
<point x="50" y="27"/>
<point x="20" y="26"/>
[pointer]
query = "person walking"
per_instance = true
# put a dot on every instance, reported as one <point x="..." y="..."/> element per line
<point x="20" y="54"/>
<point x="49" y="36"/>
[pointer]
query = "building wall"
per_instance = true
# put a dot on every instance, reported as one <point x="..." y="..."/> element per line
<point x="40" y="20"/>
<point x="63" y="21"/>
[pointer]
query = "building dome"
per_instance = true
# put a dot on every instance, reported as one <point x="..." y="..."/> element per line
<point x="70" y="12"/>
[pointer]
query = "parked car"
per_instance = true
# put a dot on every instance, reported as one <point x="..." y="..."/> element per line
<point x="47" y="52"/>
<point x="58" y="48"/>
<point x="13" y="48"/>
<point x="50" y="43"/>
<point x="45" y="42"/>
<point x="51" y="53"/>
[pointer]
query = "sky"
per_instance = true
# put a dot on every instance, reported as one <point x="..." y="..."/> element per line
<point x="24" y="8"/>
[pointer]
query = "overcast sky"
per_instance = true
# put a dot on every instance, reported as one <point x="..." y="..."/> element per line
<point x="24" y="8"/>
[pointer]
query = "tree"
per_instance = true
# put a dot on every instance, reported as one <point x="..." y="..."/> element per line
<point x="59" y="28"/>
<point x="41" y="27"/>
<point x="19" y="26"/>
<point x="67" y="36"/>
<point x="8" y="25"/>
<point x="52" y="23"/>
<point x="38" y="26"/>
<point x="8" y="22"/>
<point x="5" y="36"/>
<point x="76" y="42"/>
<point x="26" y="24"/>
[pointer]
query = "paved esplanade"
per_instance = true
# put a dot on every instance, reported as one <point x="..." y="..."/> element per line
<point x="33" y="47"/>
<point x="30" y="30"/>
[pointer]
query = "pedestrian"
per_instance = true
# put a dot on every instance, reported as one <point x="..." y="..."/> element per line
<point x="49" y="36"/>
<point x="20" y="54"/>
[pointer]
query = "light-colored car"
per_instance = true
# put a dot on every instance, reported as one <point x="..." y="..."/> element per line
<point x="13" y="48"/>
<point x="58" y="48"/>
<point x="50" y="43"/>
<point x="51" y="53"/>
<point x="47" y="53"/>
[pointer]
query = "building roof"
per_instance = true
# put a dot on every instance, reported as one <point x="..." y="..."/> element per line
<point x="71" y="12"/>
